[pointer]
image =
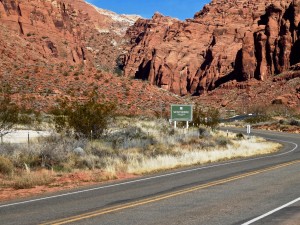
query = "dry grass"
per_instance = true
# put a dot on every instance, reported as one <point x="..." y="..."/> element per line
<point x="243" y="148"/>
<point x="187" y="151"/>
<point x="131" y="147"/>
<point x="32" y="179"/>
<point x="6" y="166"/>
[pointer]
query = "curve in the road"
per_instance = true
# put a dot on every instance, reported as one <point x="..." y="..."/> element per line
<point x="158" y="176"/>
<point x="170" y="195"/>
<point x="155" y="177"/>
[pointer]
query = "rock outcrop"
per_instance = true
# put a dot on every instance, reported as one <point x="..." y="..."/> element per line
<point x="71" y="32"/>
<point x="227" y="40"/>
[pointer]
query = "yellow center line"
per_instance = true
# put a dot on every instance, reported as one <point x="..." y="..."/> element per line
<point x="164" y="196"/>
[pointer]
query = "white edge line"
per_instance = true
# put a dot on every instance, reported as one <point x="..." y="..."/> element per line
<point x="154" y="177"/>
<point x="271" y="212"/>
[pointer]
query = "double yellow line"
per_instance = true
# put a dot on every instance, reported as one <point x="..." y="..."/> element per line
<point x="164" y="196"/>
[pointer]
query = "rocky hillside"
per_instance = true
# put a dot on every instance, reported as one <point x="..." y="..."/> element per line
<point x="67" y="31"/>
<point x="230" y="51"/>
<point x="52" y="50"/>
<point x="227" y="41"/>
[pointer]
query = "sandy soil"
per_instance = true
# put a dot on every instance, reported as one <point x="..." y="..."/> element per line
<point x="21" y="136"/>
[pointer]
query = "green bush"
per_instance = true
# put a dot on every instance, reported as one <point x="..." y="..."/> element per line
<point x="6" y="166"/>
<point x="239" y="136"/>
<point x="9" y="113"/>
<point x="89" y="119"/>
<point x="257" y="119"/>
<point x="295" y="123"/>
<point x="203" y="132"/>
<point x="209" y="117"/>
<point x="223" y="141"/>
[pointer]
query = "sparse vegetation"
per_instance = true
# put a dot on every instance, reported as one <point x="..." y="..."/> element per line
<point x="29" y="180"/>
<point x="6" y="166"/>
<point x="239" y="136"/>
<point x="117" y="145"/>
<point x="257" y="119"/>
<point x="131" y="146"/>
<point x="89" y="119"/>
<point x="209" y="117"/>
<point x="9" y="113"/>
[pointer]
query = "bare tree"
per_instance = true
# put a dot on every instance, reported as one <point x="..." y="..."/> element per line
<point x="8" y="115"/>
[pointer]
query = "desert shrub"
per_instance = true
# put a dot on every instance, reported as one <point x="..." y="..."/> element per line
<point x="58" y="150"/>
<point x="281" y="121"/>
<point x="88" y="162"/>
<point x="25" y="119"/>
<point x="198" y="115"/>
<point x="104" y="152"/>
<point x="118" y="71"/>
<point x="28" y="158"/>
<point x="222" y="141"/>
<point x="207" y="144"/>
<point x="171" y="131"/>
<point x="295" y="123"/>
<point x="257" y="119"/>
<point x="203" y="132"/>
<point x="9" y="113"/>
<point x="130" y="137"/>
<point x="30" y="180"/>
<point x="6" y="166"/>
<point x="209" y="117"/>
<point x="88" y="120"/>
<point x="239" y="136"/>
<point x="157" y="150"/>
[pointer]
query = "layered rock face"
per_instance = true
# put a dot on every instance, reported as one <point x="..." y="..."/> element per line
<point x="48" y="32"/>
<point x="227" y="40"/>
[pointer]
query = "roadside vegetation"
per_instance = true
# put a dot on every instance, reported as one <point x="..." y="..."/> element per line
<point x="122" y="146"/>
<point x="272" y="117"/>
<point x="90" y="139"/>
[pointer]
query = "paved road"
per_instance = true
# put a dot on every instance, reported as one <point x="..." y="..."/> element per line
<point x="243" y="191"/>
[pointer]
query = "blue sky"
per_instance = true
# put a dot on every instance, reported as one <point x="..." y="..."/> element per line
<point x="181" y="9"/>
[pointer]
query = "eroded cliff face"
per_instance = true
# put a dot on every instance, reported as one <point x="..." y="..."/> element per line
<point x="49" y="32"/>
<point x="273" y="43"/>
<point x="227" y="40"/>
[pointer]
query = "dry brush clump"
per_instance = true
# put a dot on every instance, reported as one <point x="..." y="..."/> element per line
<point x="228" y="148"/>
<point x="6" y="166"/>
<point x="28" y="180"/>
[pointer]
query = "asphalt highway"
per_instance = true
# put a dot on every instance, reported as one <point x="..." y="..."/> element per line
<point x="261" y="190"/>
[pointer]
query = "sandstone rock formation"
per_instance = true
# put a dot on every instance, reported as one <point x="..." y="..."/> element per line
<point x="71" y="32"/>
<point x="227" y="40"/>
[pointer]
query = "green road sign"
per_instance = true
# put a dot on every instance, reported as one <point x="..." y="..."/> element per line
<point x="181" y="112"/>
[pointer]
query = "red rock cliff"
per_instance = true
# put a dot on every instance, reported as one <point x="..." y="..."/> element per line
<point x="48" y="32"/>
<point x="226" y="40"/>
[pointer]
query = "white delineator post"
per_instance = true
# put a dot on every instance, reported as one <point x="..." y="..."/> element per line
<point x="248" y="129"/>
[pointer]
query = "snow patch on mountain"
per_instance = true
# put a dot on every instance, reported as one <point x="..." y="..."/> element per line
<point x="123" y="18"/>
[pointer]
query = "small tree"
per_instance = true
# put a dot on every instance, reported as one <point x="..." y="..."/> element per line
<point x="210" y="117"/>
<point x="213" y="118"/>
<point x="9" y="115"/>
<point x="84" y="118"/>
<point x="198" y="115"/>
<point x="91" y="117"/>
